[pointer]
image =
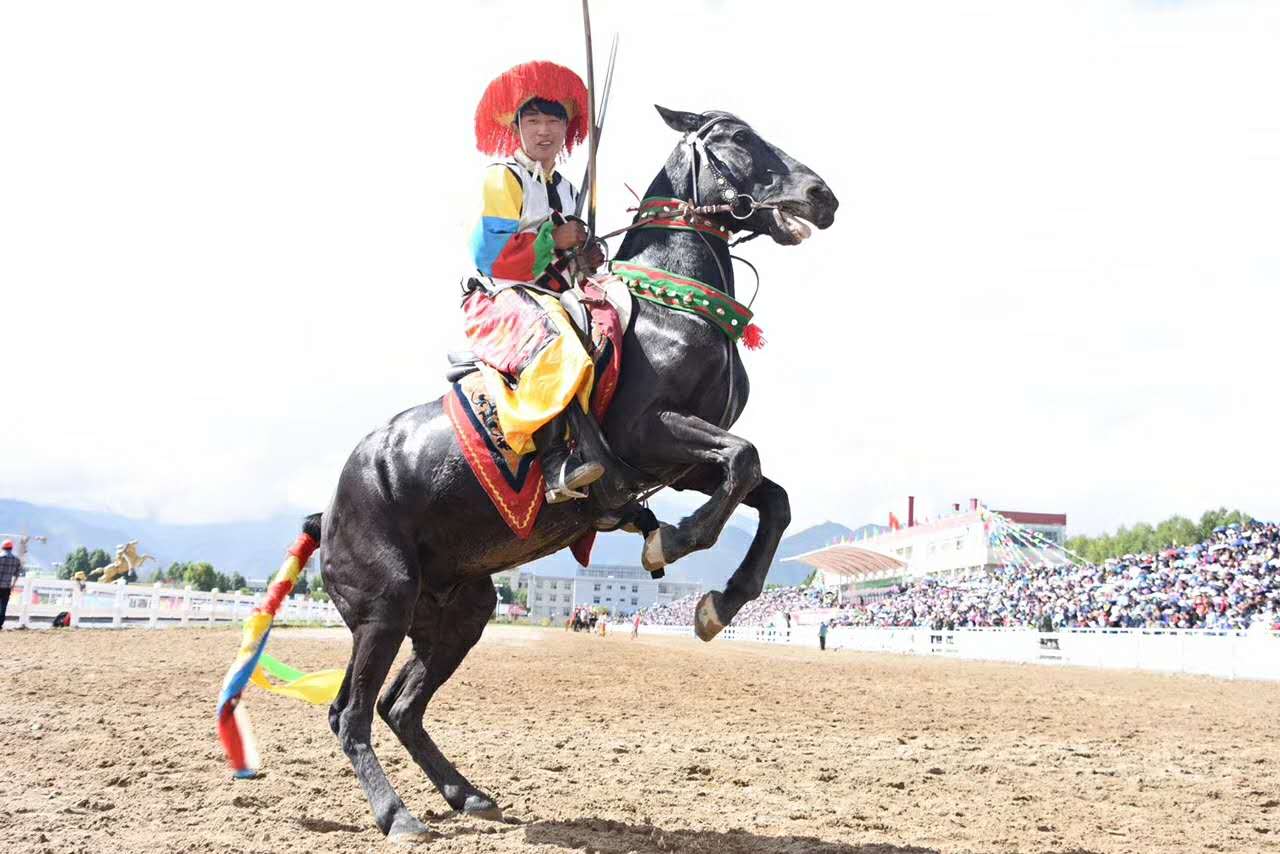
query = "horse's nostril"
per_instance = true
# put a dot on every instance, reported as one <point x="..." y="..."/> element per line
<point x="824" y="204"/>
<point x="820" y="195"/>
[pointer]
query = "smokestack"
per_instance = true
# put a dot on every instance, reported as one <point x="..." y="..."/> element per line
<point x="911" y="511"/>
<point x="973" y="504"/>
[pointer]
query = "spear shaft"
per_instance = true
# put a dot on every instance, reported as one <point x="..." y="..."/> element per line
<point x="587" y="179"/>
<point x="593" y="129"/>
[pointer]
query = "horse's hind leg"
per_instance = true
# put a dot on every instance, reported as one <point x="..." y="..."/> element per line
<point x="443" y="633"/>
<point x="373" y="581"/>
<point x="374" y="647"/>
<point x="340" y="702"/>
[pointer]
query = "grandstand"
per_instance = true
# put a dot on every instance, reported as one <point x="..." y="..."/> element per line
<point x="956" y="544"/>
<point x="1230" y="581"/>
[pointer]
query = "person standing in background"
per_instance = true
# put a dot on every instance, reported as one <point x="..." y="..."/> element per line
<point x="10" y="570"/>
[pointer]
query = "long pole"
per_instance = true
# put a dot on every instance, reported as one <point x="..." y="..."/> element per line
<point x="585" y="188"/>
<point x="591" y="120"/>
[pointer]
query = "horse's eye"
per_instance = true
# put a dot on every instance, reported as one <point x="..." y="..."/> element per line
<point x="741" y="137"/>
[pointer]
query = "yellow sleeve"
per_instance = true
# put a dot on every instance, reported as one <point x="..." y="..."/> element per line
<point x="503" y="195"/>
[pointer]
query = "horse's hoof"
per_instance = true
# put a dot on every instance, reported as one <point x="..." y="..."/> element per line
<point x="408" y="838"/>
<point x="481" y="807"/>
<point x="407" y="830"/>
<point x="706" y="619"/>
<point x="654" y="558"/>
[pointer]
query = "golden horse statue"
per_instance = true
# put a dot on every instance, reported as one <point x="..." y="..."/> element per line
<point x="126" y="561"/>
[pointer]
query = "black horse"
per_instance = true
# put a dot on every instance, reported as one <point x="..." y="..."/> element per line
<point x="410" y="539"/>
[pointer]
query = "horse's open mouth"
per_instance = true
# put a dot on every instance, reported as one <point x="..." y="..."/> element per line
<point x="788" y="229"/>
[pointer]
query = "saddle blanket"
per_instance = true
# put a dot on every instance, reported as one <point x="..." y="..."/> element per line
<point x="514" y="482"/>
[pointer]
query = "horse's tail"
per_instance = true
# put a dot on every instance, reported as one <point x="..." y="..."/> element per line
<point x="233" y="723"/>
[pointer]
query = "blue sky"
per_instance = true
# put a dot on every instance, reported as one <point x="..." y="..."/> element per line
<point x="230" y="238"/>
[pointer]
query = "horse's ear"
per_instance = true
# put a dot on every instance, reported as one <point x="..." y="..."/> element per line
<point x="679" y="121"/>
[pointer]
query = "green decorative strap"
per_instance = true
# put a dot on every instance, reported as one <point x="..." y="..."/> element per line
<point x="684" y="294"/>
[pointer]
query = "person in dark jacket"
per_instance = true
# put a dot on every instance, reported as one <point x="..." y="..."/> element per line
<point x="10" y="570"/>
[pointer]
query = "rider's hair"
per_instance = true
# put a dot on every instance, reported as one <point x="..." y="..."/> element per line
<point x="541" y="105"/>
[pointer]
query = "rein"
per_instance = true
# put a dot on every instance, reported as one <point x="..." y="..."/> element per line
<point x="658" y="212"/>
<point x="664" y="212"/>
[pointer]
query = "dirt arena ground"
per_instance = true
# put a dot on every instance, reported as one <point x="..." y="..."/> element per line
<point x="657" y="745"/>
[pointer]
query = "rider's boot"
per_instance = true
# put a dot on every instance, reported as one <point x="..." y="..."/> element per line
<point x="565" y="470"/>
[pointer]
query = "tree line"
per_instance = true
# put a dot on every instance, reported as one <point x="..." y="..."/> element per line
<point x="1144" y="538"/>
<point x="199" y="575"/>
<point x="83" y="560"/>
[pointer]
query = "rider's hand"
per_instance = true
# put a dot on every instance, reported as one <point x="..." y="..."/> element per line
<point x="569" y="235"/>
<point x="592" y="257"/>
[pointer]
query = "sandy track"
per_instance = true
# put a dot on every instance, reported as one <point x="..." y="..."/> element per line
<point x="657" y="745"/>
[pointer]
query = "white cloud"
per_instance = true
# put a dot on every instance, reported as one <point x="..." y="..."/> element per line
<point x="230" y="239"/>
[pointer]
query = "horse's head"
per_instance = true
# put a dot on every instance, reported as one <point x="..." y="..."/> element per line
<point x="726" y="157"/>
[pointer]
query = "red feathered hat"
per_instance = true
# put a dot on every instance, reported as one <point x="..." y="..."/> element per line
<point x="496" y="114"/>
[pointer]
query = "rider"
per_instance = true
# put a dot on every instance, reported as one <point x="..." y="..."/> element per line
<point x="528" y="246"/>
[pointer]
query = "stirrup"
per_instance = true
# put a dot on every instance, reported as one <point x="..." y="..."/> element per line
<point x="564" y="492"/>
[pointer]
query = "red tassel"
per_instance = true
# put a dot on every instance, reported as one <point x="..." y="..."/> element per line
<point x="753" y="337"/>
<point x="581" y="548"/>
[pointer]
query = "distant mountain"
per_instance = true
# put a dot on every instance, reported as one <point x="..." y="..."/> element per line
<point x="254" y="549"/>
<point x="799" y="543"/>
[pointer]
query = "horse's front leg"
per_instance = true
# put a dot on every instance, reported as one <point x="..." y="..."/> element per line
<point x="687" y="439"/>
<point x="715" y="610"/>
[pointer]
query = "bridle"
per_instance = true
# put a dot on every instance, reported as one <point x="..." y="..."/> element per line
<point x="739" y="205"/>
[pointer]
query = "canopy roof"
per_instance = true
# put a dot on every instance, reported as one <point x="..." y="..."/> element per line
<point x="849" y="560"/>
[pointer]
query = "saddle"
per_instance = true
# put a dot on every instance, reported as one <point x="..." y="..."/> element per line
<point x="600" y="312"/>
<point x="463" y="362"/>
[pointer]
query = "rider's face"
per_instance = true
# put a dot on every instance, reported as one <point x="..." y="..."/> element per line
<point x="542" y="136"/>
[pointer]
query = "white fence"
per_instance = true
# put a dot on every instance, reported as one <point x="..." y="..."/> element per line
<point x="1207" y="652"/>
<point x="35" y="601"/>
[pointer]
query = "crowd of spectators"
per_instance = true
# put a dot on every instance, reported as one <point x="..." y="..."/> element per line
<point x="1227" y="582"/>
<point x="778" y="600"/>
<point x="677" y="613"/>
<point x="759" y="612"/>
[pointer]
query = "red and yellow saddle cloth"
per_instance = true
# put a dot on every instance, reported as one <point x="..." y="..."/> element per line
<point x="518" y="332"/>
<point x="514" y="482"/>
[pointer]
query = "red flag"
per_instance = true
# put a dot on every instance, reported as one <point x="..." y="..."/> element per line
<point x="894" y="524"/>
